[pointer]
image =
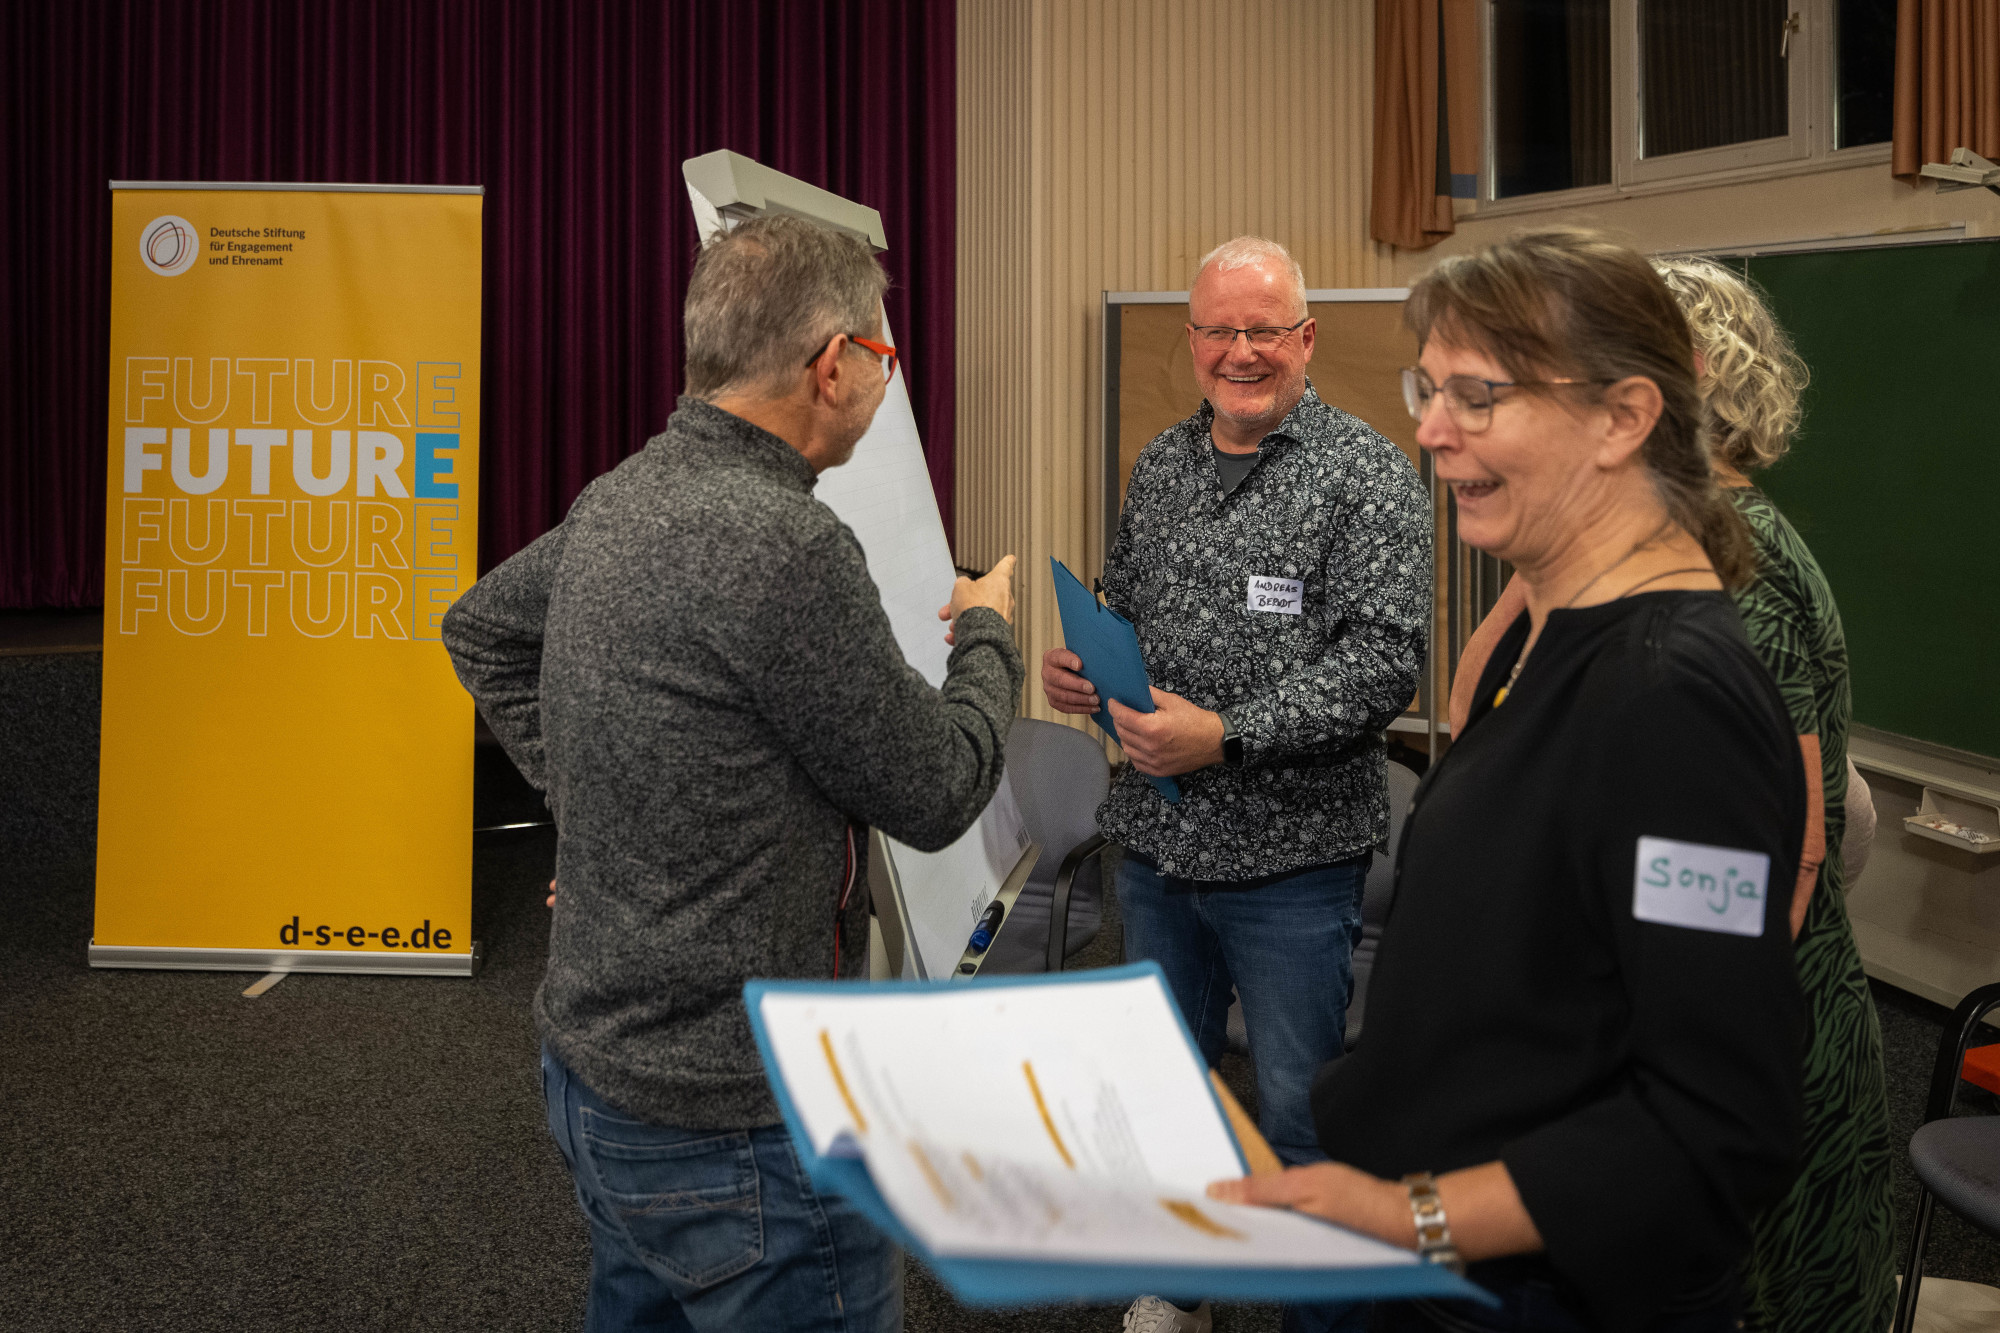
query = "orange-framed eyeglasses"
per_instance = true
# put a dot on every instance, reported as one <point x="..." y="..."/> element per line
<point x="882" y="350"/>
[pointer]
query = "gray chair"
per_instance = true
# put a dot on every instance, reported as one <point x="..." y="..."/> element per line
<point x="1957" y="1160"/>
<point x="1060" y="776"/>
<point x="1376" y="895"/>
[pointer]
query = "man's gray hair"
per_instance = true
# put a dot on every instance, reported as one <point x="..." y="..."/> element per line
<point x="1247" y="250"/>
<point x="768" y="294"/>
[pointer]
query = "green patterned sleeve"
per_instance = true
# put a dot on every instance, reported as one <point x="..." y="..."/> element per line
<point x="1776" y="624"/>
<point x="1777" y="614"/>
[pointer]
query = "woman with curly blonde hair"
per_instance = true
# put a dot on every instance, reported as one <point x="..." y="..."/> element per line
<point x="1751" y="377"/>
<point x="1822" y="1257"/>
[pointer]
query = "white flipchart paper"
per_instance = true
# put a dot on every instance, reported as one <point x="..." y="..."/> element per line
<point x="947" y="891"/>
<point x="883" y="493"/>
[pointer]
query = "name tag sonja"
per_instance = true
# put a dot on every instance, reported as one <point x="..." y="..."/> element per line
<point x="1286" y="597"/>
<point x="1706" y="888"/>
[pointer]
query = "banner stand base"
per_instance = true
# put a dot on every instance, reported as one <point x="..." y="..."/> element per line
<point x="363" y="962"/>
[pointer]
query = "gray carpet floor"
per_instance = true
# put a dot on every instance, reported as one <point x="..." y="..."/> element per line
<point x="354" y="1153"/>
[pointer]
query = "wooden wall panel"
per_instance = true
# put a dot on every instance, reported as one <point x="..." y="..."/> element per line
<point x="993" y="326"/>
<point x="1106" y="145"/>
<point x="1156" y="384"/>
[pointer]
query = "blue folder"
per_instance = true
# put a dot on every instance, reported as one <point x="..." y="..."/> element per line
<point x="1109" y="647"/>
<point x="1003" y="1283"/>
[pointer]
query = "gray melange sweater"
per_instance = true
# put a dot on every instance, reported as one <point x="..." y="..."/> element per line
<point x="697" y="670"/>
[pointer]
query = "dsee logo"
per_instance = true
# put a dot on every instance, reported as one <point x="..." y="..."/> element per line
<point x="168" y="245"/>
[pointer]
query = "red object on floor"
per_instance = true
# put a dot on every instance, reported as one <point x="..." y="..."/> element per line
<point x="1982" y="1068"/>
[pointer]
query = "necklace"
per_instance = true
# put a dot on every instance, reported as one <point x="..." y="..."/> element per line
<point x="1641" y="545"/>
<point x="1666" y="574"/>
<point x="1500" y="695"/>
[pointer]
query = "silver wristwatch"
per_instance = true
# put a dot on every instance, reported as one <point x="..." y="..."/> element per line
<point x="1433" y="1232"/>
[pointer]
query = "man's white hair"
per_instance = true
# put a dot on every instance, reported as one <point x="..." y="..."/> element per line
<point x="1245" y="251"/>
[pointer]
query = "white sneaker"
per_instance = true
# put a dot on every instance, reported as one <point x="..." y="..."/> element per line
<point x="1150" y="1314"/>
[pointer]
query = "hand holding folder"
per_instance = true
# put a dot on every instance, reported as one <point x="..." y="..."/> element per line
<point x="1257" y="1154"/>
<point x="1037" y="1140"/>
<point x="1109" y="649"/>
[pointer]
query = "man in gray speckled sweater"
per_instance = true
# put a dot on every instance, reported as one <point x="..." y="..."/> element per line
<point x="696" y="668"/>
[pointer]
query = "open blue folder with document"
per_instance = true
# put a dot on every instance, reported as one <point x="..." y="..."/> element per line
<point x="1109" y="647"/>
<point x="1047" y="1139"/>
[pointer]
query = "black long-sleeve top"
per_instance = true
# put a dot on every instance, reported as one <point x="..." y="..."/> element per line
<point x="1639" y="1079"/>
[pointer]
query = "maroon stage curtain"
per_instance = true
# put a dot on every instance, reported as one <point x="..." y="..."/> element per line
<point x="574" y="116"/>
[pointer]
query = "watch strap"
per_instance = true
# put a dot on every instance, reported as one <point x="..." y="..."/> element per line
<point x="1433" y="1231"/>
<point x="1232" y="743"/>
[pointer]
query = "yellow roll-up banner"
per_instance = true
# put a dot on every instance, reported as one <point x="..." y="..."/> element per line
<point x="292" y="504"/>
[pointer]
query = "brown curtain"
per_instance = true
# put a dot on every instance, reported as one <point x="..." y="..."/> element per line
<point x="1465" y="114"/>
<point x="1947" y="82"/>
<point x="1426" y="125"/>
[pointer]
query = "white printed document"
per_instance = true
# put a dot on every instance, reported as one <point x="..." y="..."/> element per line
<point x="1055" y="1135"/>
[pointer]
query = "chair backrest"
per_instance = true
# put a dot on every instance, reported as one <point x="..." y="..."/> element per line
<point x="1378" y="893"/>
<point x="1060" y="776"/>
<point x="1381" y="886"/>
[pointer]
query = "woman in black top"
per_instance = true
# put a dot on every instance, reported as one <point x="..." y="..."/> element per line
<point x="1585" y="1020"/>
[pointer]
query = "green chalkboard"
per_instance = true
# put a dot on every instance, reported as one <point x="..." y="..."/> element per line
<point x="1894" y="478"/>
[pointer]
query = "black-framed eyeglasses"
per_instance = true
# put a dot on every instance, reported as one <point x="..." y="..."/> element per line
<point x="1468" y="398"/>
<point x="881" y="351"/>
<point x="1263" y="337"/>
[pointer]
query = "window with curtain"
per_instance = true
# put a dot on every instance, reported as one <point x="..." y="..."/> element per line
<point x="1551" y="95"/>
<point x="1712" y="74"/>
<point x="1600" y="95"/>
<point x="1864" y="72"/>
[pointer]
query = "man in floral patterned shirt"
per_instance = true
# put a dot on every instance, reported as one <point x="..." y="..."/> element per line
<point x="1275" y="558"/>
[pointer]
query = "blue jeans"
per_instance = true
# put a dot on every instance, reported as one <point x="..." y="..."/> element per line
<point x="1286" y="948"/>
<point x="714" y="1229"/>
